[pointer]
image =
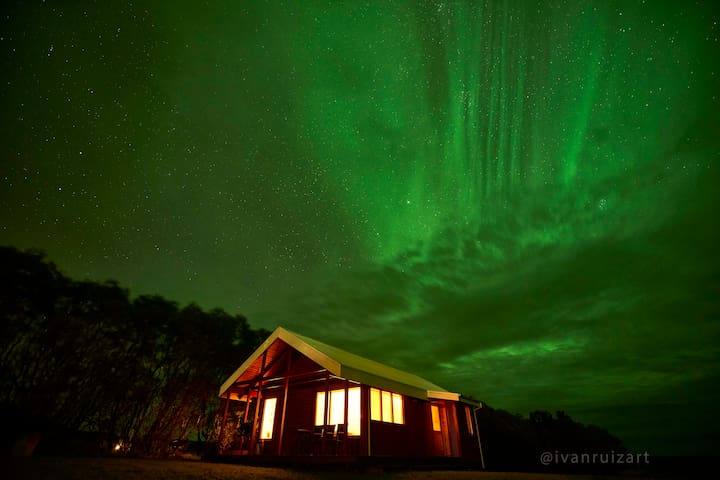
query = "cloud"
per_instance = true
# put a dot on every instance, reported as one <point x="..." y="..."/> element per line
<point x="587" y="327"/>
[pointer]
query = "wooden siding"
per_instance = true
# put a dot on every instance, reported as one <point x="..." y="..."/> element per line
<point x="406" y="440"/>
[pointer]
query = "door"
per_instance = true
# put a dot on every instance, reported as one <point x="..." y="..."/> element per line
<point x="439" y="428"/>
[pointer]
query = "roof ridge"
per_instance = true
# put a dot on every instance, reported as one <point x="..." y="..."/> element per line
<point x="349" y="365"/>
<point x="365" y="359"/>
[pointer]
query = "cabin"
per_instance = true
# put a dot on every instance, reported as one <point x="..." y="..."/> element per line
<point x="298" y="397"/>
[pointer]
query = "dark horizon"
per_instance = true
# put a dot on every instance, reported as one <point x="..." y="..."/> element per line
<point x="517" y="201"/>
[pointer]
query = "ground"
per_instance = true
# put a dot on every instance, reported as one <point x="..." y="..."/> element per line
<point x="56" y="468"/>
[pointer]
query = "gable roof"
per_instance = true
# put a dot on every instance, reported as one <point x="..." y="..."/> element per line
<point x="348" y="365"/>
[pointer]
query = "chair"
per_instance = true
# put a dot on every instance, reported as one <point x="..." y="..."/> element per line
<point x="318" y="436"/>
<point x="338" y="438"/>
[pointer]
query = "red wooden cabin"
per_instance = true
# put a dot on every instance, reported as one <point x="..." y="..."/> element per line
<point x="295" y="396"/>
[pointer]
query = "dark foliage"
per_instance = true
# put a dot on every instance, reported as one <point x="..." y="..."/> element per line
<point x="84" y="357"/>
<point x="513" y="442"/>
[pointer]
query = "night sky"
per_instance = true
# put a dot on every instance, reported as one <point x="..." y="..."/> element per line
<point x="517" y="200"/>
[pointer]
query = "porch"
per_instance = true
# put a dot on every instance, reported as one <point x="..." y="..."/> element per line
<point x="285" y="404"/>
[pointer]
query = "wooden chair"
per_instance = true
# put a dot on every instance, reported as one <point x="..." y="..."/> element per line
<point x="338" y="438"/>
<point x="318" y="438"/>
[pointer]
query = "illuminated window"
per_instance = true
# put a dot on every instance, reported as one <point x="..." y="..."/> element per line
<point x="435" y="412"/>
<point x="353" y="415"/>
<point x="337" y="409"/>
<point x="320" y="409"/>
<point x="397" y="408"/>
<point x="468" y="417"/>
<point x="386" y="406"/>
<point x="375" y="404"/>
<point x="268" y="419"/>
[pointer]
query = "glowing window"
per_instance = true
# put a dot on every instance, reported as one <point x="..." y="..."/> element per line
<point x="320" y="409"/>
<point x="435" y="412"/>
<point x="353" y="415"/>
<point x="268" y="419"/>
<point x="375" y="404"/>
<point x="337" y="409"/>
<point x="386" y="406"/>
<point x="468" y="418"/>
<point x="397" y="408"/>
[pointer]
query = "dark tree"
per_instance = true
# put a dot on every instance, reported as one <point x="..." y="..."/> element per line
<point x="82" y="357"/>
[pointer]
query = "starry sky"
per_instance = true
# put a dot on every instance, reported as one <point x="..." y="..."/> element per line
<point x="515" y="199"/>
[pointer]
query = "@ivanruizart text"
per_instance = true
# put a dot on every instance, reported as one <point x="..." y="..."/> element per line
<point x="603" y="458"/>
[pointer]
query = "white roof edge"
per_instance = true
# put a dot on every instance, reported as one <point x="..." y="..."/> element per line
<point x="309" y="351"/>
<point x="471" y="401"/>
<point x="370" y="378"/>
<point x="443" y="395"/>
<point x="254" y="356"/>
<point x="289" y="338"/>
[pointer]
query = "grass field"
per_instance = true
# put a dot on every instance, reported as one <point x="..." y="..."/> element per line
<point x="60" y="468"/>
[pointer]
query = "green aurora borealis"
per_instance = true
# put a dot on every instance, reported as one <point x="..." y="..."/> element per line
<point x="515" y="199"/>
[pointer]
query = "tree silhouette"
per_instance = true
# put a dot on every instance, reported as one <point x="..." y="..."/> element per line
<point x="512" y="442"/>
<point x="81" y="356"/>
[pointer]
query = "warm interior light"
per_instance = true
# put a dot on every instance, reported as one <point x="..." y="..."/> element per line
<point x="375" y="404"/>
<point x="353" y="415"/>
<point x="397" y="408"/>
<point x="320" y="408"/>
<point x="337" y="409"/>
<point x="387" y="407"/>
<point x="435" y="412"/>
<point x="268" y="419"/>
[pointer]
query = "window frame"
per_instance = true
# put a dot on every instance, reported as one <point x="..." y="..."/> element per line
<point x="380" y="400"/>
<point x="268" y="419"/>
<point x="435" y="418"/>
<point x="354" y="425"/>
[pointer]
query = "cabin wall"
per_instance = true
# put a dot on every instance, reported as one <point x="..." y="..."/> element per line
<point x="406" y="440"/>
<point x="447" y="440"/>
<point x="386" y="439"/>
<point x="300" y="415"/>
<point x="413" y="438"/>
<point x="469" y="447"/>
<point x="300" y="421"/>
<point x="453" y="432"/>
